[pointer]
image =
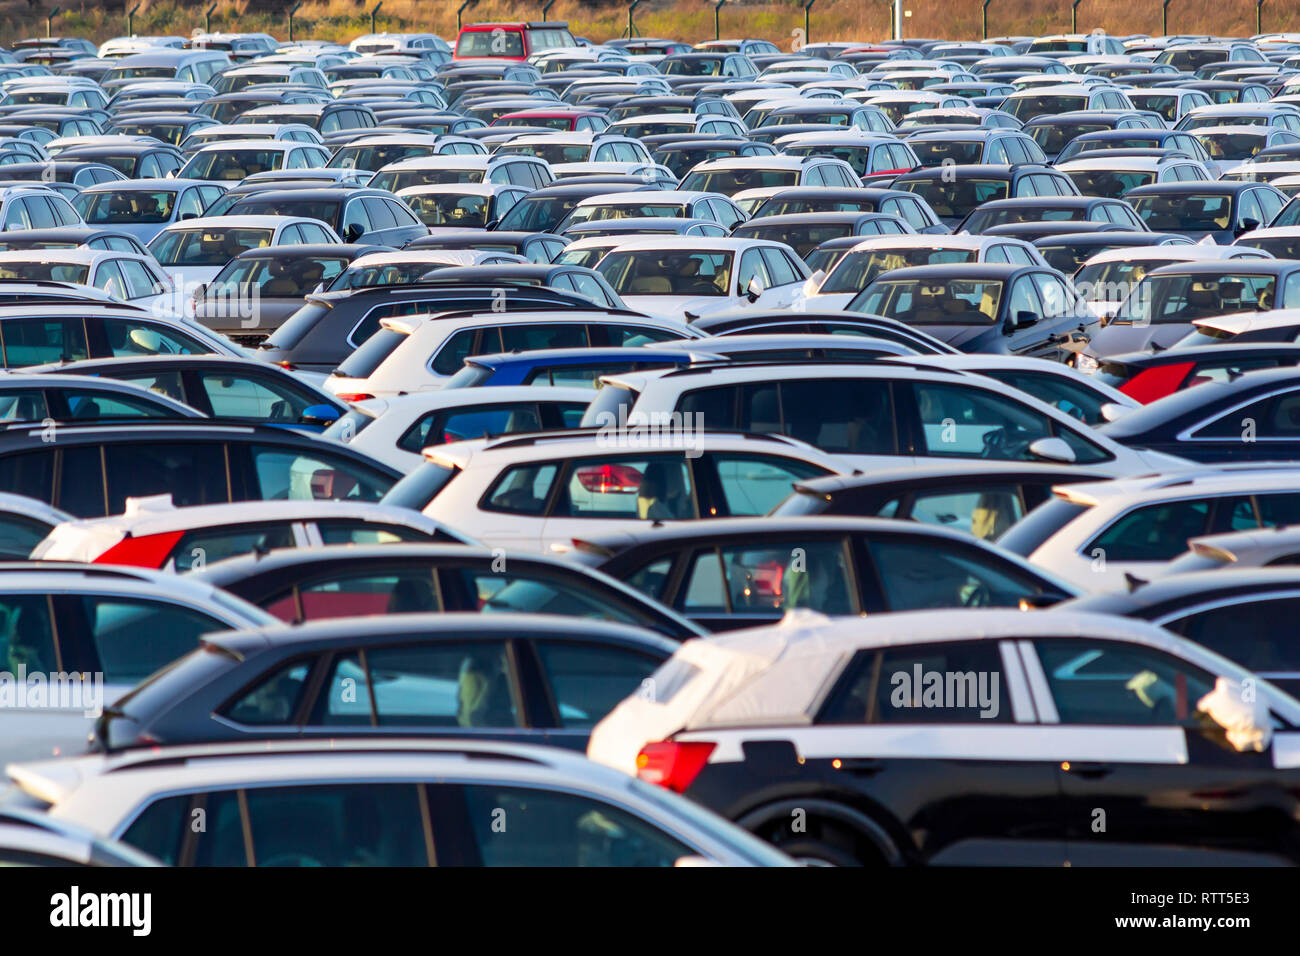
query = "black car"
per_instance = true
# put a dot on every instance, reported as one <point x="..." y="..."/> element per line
<point x="1223" y="209"/>
<point x="538" y="247"/>
<point x="730" y="573"/>
<point x="332" y="325"/>
<point x="1253" y="417"/>
<point x="1246" y="614"/>
<point x="535" y="679"/>
<point x="563" y="278"/>
<point x="830" y="741"/>
<point x="982" y="307"/>
<point x="373" y="214"/>
<point x="90" y="471"/>
<point x="804" y="232"/>
<point x="1067" y="252"/>
<point x="1054" y="131"/>
<point x="681" y="156"/>
<point x="1053" y="209"/>
<point x="911" y="209"/>
<point x="1033" y="231"/>
<point x="757" y="322"/>
<point x="132" y="160"/>
<point x="1167" y="140"/>
<point x="80" y="173"/>
<point x="983" y="502"/>
<point x="543" y="209"/>
<point x="70" y="237"/>
<point x="222" y="386"/>
<point x="349" y="580"/>
<point x="170" y="128"/>
<point x="257" y="290"/>
<point x="954" y="192"/>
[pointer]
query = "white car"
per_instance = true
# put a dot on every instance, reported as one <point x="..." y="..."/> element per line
<point x="233" y="160"/>
<point x="79" y="637"/>
<point x="732" y="174"/>
<point x="1097" y="535"/>
<point x="357" y="803"/>
<point x="1107" y="278"/>
<point x="397" y="268"/>
<point x="428" y="350"/>
<point x="677" y="278"/>
<point x="396" y="430"/>
<point x="154" y="533"/>
<point x="193" y="251"/>
<point x="887" y="414"/>
<point x="123" y="276"/>
<point x="677" y="203"/>
<point x="1275" y="325"/>
<point x="858" y="267"/>
<point x="542" y="492"/>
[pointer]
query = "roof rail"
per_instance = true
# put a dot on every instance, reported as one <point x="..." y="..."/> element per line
<point x="534" y="438"/>
<point x="700" y="368"/>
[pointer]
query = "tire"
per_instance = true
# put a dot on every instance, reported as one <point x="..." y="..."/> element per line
<point x="817" y="853"/>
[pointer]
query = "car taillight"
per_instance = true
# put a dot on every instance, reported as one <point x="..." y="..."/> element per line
<point x="1156" y="382"/>
<point x="287" y="366"/>
<point x="146" y="551"/>
<point x="355" y="396"/>
<point x="673" y="764"/>
<point x="610" y="479"/>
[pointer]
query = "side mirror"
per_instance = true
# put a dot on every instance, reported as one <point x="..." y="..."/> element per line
<point x="321" y="415"/>
<point x="353" y="233"/>
<point x="1024" y="319"/>
<point x="754" y="289"/>
<point x="189" y="215"/>
<point x="492" y="224"/>
<point x="1112" y="412"/>
<point x="814" y="282"/>
<point x="1052" y="449"/>
<point x="1246" y="226"/>
<point x="1245" y="723"/>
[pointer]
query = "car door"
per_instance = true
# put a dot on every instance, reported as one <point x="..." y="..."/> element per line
<point x="1267" y="429"/>
<point x="1140" y="769"/>
<point x="964" y="770"/>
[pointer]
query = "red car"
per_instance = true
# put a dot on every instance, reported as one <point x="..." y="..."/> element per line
<point x="511" y="41"/>
<point x="1147" y="376"/>
<point x="557" y="119"/>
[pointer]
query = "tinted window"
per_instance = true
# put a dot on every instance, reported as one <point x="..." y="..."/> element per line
<point x="192" y="473"/>
<point x="919" y="573"/>
<point x="1108" y="682"/>
<point x="1154" y="533"/>
<point x="364" y="824"/>
<point x="588" y="680"/>
<point x="135" y="637"/>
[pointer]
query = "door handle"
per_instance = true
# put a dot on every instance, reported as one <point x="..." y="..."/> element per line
<point x="1090" y="771"/>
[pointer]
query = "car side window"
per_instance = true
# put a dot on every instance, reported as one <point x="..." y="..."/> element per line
<point x="778" y="267"/>
<point x="755" y="484"/>
<point x="133" y="637"/>
<point x="916" y="575"/>
<point x="657" y="488"/>
<point x="1098" y="682"/>
<point x="1153" y="533"/>
<point x="1275" y="417"/>
<point x="737" y="579"/>
<point x="751" y="266"/>
<point x="196" y="549"/>
<point x="523" y="489"/>
<point x="588" y="680"/>
<point x="550" y="828"/>
<point x="881" y="688"/>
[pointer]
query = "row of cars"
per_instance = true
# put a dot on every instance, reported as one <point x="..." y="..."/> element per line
<point x="528" y="451"/>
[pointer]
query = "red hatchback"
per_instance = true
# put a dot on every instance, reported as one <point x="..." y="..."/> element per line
<point x="564" y="120"/>
<point x="511" y="41"/>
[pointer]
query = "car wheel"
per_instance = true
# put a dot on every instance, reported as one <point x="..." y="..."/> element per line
<point x="816" y="853"/>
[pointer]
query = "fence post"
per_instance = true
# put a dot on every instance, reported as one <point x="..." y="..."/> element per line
<point x="984" y="20"/>
<point x="631" y="27"/>
<point x="546" y="8"/>
<point x="207" y="18"/>
<point x="49" y="21"/>
<point x="807" y="21"/>
<point x="1259" y="16"/>
<point x="1164" y="17"/>
<point x="717" y="29"/>
<point x="1074" y="16"/>
<point x="130" y="20"/>
<point x="460" y="10"/>
<point x="292" y="10"/>
<point x="373" y="14"/>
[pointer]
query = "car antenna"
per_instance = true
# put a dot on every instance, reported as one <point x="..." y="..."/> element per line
<point x="1134" y="582"/>
<point x="1156" y="347"/>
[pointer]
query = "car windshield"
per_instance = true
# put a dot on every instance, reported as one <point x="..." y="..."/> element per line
<point x="450" y="209"/>
<point x="1112" y="281"/>
<point x="668" y="272"/>
<point x="956" y="198"/>
<point x="386" y="273"/>
<point x="1166" y="106"/>
<point x="377" y="157"/>
<point x="274" y="278"/>
<point x="1109" y="183"/>
<point x="325" y="210"/>
<point x="1232" y="145"/>
<point x="1025" y="108"/>
<point x="52" y="271"/>
<point x="639" y="130"/>
<point x="692" y="66"/>
<point x="537" y="215"/>
<point x="490" y="43"/>
<point x="123" y="206"/>
<point x="207" y="247"/>
<point x="787" y="207"/>
<point x="1178" y="299"/>
<point x="857" y="270"/>
<point x="166" y="132"/>
<point x="1052" y="138"/>
<point x="394" y="180"/>
<point x="803" y="239"/>
<point x="855" y="156"/>
<point x="958" y="152"/>
<point x="587" y="258"/>
<point x="627" y="211"/>
<point x="140" y="73"/>
<point x="1185" y="212"/>
<point x="550" y="152"/>
<point x="730" y="181"/>
<point x="928" y="302"/>
<point x="1201" y="122"/>
<point x="232" y="164"/>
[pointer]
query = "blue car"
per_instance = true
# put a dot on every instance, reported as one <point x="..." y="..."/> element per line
<point x="571" y="367"/>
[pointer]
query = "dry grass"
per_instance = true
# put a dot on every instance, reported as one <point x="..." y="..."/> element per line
<point x="686" y="19"/>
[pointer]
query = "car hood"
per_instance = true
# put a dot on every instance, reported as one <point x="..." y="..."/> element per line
<point x="676" y="306"/>
<point x="1118" y="338"/>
